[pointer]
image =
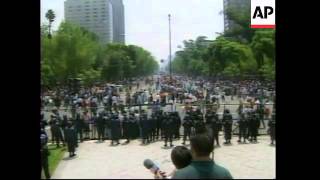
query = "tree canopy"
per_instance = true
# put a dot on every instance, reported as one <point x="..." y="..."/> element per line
<point x="75" y="52"/>
<point x="238" y="52"/>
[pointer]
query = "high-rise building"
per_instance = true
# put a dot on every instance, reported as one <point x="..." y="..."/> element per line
<point x="235" y="4"/>
<point x="118" y="21"/>
<point x="94" y="15"/>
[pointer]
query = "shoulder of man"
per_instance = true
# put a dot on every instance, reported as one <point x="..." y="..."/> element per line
<point x="184" y="173"/>
<point x="222" y="172"/>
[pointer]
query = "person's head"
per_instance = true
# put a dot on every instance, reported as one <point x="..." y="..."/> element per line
<point x="201" y="145"/>
<point x="181" y="157"/>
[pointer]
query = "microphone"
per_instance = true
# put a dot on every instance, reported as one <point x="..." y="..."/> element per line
<point x="151" y="166"/>
<point x="154" y="169"/>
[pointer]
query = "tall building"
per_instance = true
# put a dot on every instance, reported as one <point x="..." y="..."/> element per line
<point x="236" y="4"/>
<point x="94" y="15"/>
<point x="118" y="21"/>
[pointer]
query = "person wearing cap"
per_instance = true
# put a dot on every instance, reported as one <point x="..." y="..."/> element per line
<point x="115" y="129"/>
<point x="272" y="128"/>
<point x="44" y="152"/>
<point x="100" y="123"/>
<point x="227" y="125"/>
<point x="187" y="125"/>
<point x="71" y="139"/>
<point x="125" y="127"/>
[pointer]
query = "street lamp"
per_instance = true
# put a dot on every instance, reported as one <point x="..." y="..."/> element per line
<point x="169" y="16"/>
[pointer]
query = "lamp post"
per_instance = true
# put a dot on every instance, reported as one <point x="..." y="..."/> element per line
<point x="170" y="70"/>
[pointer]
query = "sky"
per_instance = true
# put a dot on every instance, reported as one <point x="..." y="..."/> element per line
<point x="146" y="22"/>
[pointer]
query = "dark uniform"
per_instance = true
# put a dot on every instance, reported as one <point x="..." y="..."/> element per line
<point x="71" y="139"/>
<point x="125" y="128"/>
<point x="153" y="127"/>
<point x="243" y="126"/>
<point x="216" y="127"/>
<point x="101" y="122"/>
<point x="168" y="130"/>
<point x="63" y="125"/>
<point x="79" y="123"/>
<point x="176" y="124"/>
<point x="144" y="125"/>
<point x="56" y="132"/>
<point x="187" y="125"/>
<point x="198" y="123"/>
<point x="44" y="154"/>
<point x="227" y="126"/>
<point x="159" y="117"/>
<point x="254" y="124"/>
<point x="115" y="129"/>
<point x="272" y="128"/>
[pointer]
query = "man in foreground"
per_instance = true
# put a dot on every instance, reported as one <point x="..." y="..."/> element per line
<point x="202" y="166"/>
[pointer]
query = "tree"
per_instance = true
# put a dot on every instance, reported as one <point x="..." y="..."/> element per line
<point x="50" y="16"/>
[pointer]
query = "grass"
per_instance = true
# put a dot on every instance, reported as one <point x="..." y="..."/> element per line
<point x="56" y="155"/>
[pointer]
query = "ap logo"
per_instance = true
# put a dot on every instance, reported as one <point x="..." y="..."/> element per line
<point x="263" y="13"/>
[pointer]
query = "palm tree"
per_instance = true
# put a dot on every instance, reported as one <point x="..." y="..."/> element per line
<point x="50" y="16"/>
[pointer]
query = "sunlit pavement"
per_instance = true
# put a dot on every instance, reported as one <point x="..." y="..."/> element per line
<point x="100" y="160"/>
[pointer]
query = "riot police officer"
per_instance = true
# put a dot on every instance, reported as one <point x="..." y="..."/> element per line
<point x="272" y="128"/>
<point x="243" y="124"/>
<point x="71" y="139"/>
<point x="101" y="122"/>
<point x="79" y="123"/>
<point x="176" y="124"/>
<point x="216" y="127"/>
<point x="115" y="129"/>
<point x="125" y="127"/>
<point x="144" y="128"/>
<point x="254" y="124"/>
<point x="159" y="118"/>
<point x="187" y="125"/>
<point x="153" y="127"/>
<point x="167" y="128"/>
<point x="44" y="153"/>
<point x="227" y="126"/>
<point x="56" y="131"/>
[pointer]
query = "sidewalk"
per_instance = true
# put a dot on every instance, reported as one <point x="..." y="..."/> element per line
<point x="99" y="160"/>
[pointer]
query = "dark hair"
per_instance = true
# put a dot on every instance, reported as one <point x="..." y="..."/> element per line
<point x="202" y="144"/>
<point x="181" y="157"/>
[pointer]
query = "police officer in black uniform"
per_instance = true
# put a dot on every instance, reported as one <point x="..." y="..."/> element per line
<point x="132" y="126"/>
<point x="176" y="124"/>
<point x="56" y="132"/>
<point x="71" y="139"/>
<point x="254" y="124"/>
<point x="243" y="124"/>
<point x="79" y="123"/>
<point x="199" y="125"/>
<point x="153" y="127"/>
<point x="44" y="153"/>
<point x="216" y="127"/>
<point x="272" y="128"/>
<point x="125" y="127"/>
<point x="227" y="125"/>
<point x="159" y="116"/>
<point x="144" y="128"/>
<point x="64" y="124"/>
<point x="167" y="128"/>
<point x="101" y="123"/>
<point x="115" y="129"/>
<point x="187" y="125"/>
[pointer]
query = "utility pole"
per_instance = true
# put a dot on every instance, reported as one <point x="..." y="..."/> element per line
<point x="170" y="48"/>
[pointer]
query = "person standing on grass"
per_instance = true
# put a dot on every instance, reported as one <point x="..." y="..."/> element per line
<point x="44" y="153"/>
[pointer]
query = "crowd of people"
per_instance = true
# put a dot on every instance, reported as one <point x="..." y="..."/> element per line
<point x="110" y="112"/>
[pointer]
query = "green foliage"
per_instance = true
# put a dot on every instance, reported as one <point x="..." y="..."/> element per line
<point x="237" y="52"/>
<point x="75" y="52"/>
